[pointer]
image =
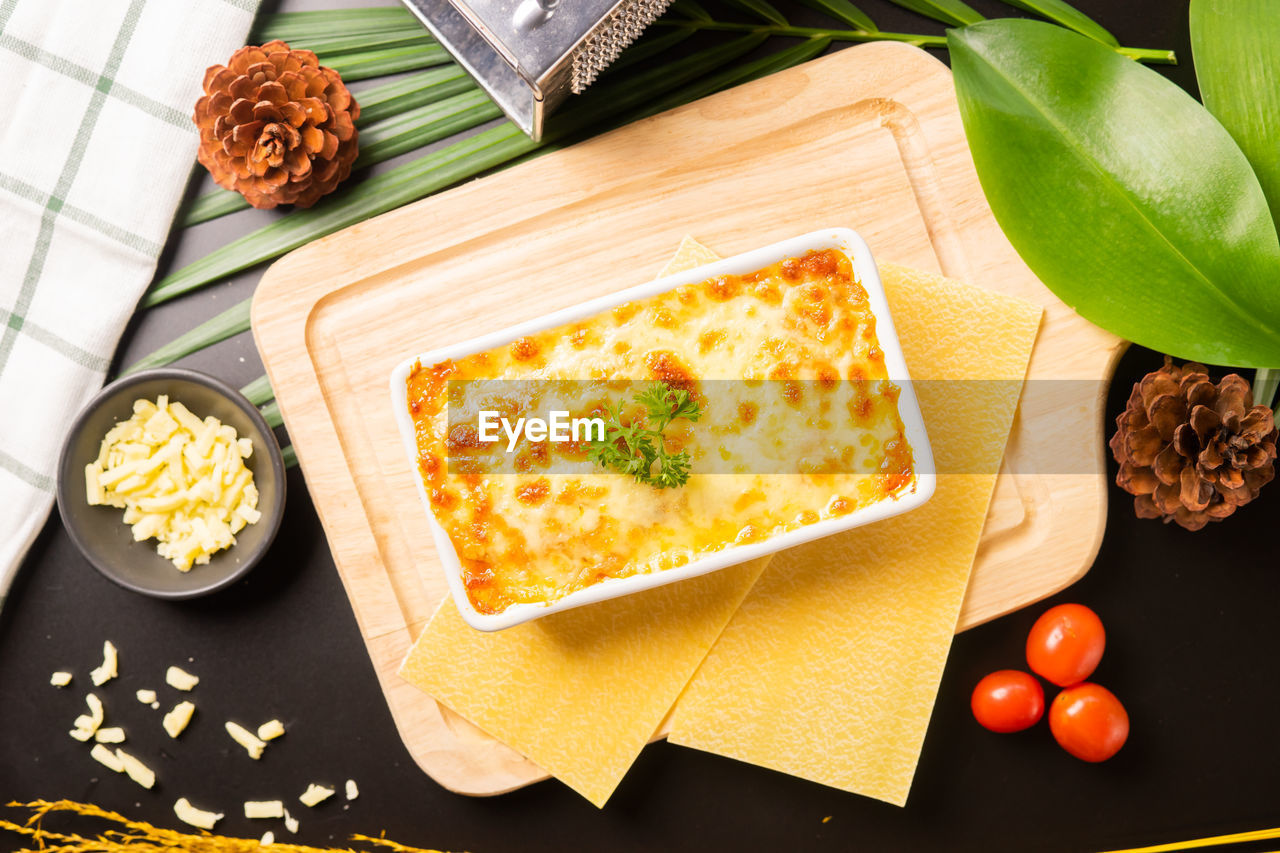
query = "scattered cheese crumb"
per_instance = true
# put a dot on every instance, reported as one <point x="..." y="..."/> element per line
<point x="263" y="808"/>
<point x="198" y="818"/>
<point x="290" y="822"/>
<point x="270" y="730"/>
<point x="175" y="722"/>
<point x="827" y="818"/>
<point x="245" y="738"/>
<point x="146" y="697"/>
<point x="180" y="679"/>
<point x="60" y="679"/>
<point x="106" y="757"/>
<point x="109" y="668"/>
<point x="352" y="790"/>
<point x="87" y="724"/>
<point x="268" y="838"/>
<point x="136" y="770"/>
<point x="115" y="734"/>
<point x="315" y="795"/>
<point x="155" y="706"/>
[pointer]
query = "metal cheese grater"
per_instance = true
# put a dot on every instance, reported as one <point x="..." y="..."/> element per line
<point x="530" y="54"/>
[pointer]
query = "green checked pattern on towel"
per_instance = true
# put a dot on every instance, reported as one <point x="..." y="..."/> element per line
<point x="95" y="151"/>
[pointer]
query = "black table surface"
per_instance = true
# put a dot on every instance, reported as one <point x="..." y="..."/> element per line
<point x="1191" y="651"/>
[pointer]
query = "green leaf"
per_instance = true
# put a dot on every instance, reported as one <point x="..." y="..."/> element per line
<point x="259" y="391"/>
<point x="1236" y="46"/>
<point x="843" y="11"/>
<point x="439" y="169"/>
<point x="1067" y="15"/>
<point x="331" y="22"/>
<point x="761" y="9"/>
<point x="378" y="63"/>
<point x="647" y="48"/>
<point x="213" y="204"/>
<point x="690" y="9"/>
<point x="289" y="455"/>
<point x="233" y="321"/>
<point x="1126" y="198"/>
<point x="326" y="46"/>
<point x="271" y="414"/>
<point x="424" y="125"/>
<point x="952" y="12"/>
<point x="414" y="90"/>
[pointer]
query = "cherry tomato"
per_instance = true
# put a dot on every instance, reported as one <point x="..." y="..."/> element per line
<point x="1008" y="700"/>
<point x="1089" y="722"/>
<point x="1065" y="644"/>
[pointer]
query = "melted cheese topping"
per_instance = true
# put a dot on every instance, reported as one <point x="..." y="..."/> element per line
<point x="560" y="524"/>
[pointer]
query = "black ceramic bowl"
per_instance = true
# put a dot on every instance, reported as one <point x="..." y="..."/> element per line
<point x="100" y="532"/>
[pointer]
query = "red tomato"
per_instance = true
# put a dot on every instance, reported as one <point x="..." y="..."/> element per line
<point x="1008" y="700"/>
<point x="1089" y="722"/>
<point x="1065" y="644"/>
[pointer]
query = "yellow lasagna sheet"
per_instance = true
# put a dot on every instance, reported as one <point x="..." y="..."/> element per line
<point x="830" y="668"/>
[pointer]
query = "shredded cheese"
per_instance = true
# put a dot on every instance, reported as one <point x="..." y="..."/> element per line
<point x="60" y="679"/>
<point x="180" y="679"/>
<point x="263" y="809"/>
<point x="270" y="730"/>
<point x="115" y="734"/>
<point x="352" y="790"/>
<point x="86" y="725"/>
<point x="109" y="668"/>
<point x="135" y="769"/>
<point x="106" y="757"/>
<point x="246" y="738"/>
<point x="175" y="722"/>
<point x="290" y="822"/>
<point x="268" y="838"/>
<point x="180" y="480"/>
<point x="146" y="697"/>
<point x="198" y="818"/>
<point x="315" y="795"/>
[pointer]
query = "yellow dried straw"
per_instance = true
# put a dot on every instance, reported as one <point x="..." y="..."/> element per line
<point x="1201" y="843"/>
<point x="141" y="837"/>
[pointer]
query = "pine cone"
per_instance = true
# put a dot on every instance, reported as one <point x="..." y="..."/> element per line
<point x="276" y="126"/>
<point x="1191" y="451"/>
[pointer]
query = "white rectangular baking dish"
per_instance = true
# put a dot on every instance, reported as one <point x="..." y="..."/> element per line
<point x="867" y="273"/>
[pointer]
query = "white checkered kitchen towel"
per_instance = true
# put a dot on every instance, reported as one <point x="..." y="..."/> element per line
<point x="96" y="145"/>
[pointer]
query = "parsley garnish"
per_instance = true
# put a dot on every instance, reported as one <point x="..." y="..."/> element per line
<point x="635" y="448"/>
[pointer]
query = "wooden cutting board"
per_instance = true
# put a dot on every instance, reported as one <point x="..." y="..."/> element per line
<point x="868" y="137"/>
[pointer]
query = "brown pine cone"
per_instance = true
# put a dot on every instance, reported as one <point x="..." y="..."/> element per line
<point x="276" y="126"/>
<point x="1191" y="451"/>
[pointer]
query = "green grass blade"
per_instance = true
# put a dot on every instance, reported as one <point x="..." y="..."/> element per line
<point x="437" y="170"/>
<point x="953" y="12"/>
<point x="379" y="63"/>
<point x="233" y="321"/>
<point x="259" y="391"/>
<point x="1068" y="16"/>
<point x="415" y="90"/>
<point x="425" y="125"/>
<point x="845" y="12"/>
<point x="211" y="205"/>
<point x="331" y="22"/>
<point x="327" y="46"/>
<point x="761" y="9"/>
<point x="271" y="414"/>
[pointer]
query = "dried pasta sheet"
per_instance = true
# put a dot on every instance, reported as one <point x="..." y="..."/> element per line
<point x="830" y="668"/>
<point x="581" y="692"/>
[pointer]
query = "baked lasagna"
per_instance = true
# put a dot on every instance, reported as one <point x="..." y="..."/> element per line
<point x="799" y="423"/>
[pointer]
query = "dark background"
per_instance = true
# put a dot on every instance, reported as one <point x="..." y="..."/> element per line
<point x="1191" y="621"/>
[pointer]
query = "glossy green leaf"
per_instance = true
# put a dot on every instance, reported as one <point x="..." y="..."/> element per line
<point x="1236" y="45"/>
<point x="1067" y="15"/>
<point x="952" y="12"/>
<point x="845" y="12"/>
<point x="1124" y="195"/>
<point x="761" y="9"/>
